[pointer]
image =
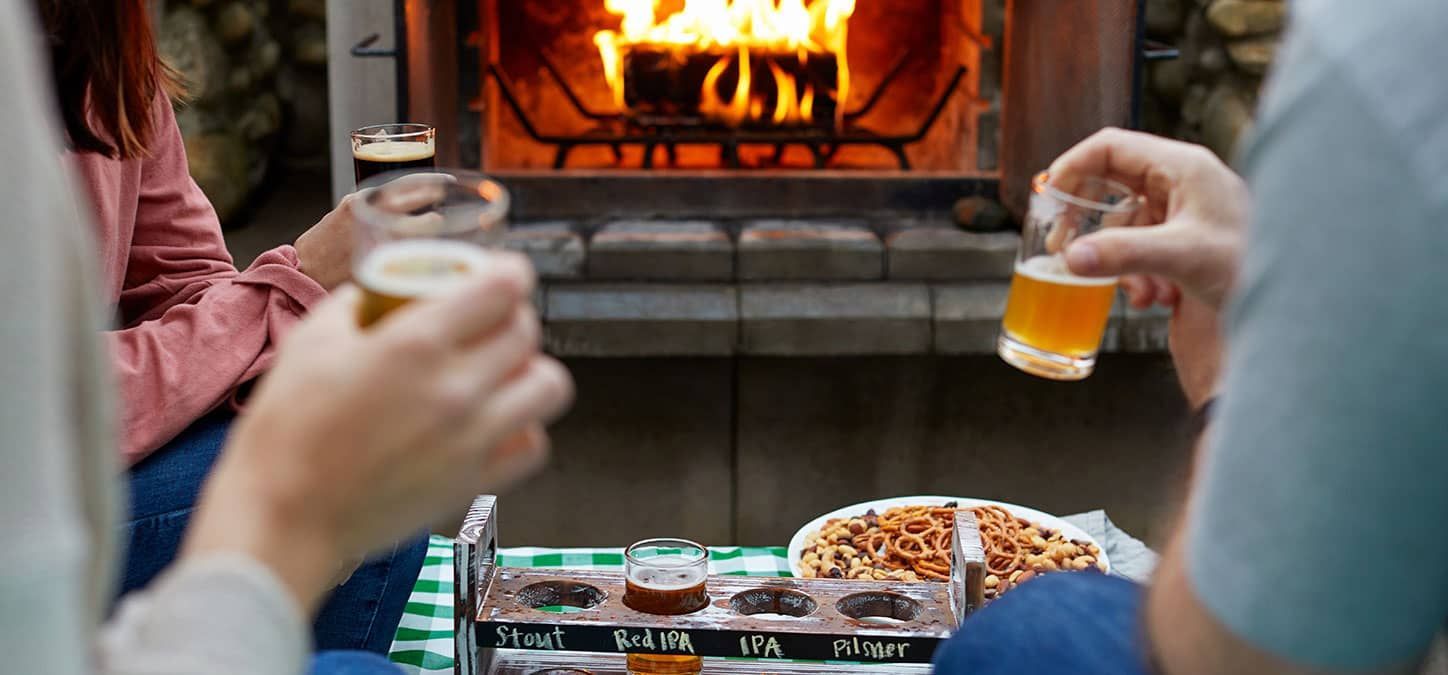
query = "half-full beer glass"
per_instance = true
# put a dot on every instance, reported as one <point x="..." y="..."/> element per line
<point x="393" y="147"/>
<point x="422" y="233"/>
<point x="1054" y="319"/>
<point x="667" y="577"/>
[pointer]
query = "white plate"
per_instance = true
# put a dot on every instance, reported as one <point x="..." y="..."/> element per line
<point x="796" y="544"/>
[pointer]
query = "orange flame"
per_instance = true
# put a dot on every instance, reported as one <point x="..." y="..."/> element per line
<point x="742" y="28"/>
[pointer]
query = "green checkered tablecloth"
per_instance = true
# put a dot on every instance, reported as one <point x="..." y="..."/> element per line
<point x="424" y="642"/>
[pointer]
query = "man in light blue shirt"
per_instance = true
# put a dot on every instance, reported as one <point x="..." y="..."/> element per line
<point x="1316" y="536"/>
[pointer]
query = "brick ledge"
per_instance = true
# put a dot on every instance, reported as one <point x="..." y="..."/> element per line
<point x="797" y="319"/>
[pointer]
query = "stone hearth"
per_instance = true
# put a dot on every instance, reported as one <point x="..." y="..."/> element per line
<point x="636" y="288"/>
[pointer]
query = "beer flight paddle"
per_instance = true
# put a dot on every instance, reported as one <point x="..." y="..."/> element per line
<point x="508" y="620"/>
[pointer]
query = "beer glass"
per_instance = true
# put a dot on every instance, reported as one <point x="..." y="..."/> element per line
<point x="667" y="577"/>
<point x="392" y="147"/>
<point x="1054" y="319"/>
<point x="422" y="233"/>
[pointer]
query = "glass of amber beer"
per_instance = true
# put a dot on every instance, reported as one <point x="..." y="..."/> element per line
<point x="422" y="233"/>
<point x="393" y="147"/>
<point x="1054" y="319"/>
<point x="667" y="577"/>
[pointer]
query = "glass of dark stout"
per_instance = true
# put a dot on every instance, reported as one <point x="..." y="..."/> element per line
<point x="393" y="147"/>
<point x="667" y="577"/>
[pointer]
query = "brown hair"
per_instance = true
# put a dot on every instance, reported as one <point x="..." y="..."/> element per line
<point x="107" y="73"/>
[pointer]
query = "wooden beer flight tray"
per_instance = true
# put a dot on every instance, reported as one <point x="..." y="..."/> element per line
<point x="883" y="626"/>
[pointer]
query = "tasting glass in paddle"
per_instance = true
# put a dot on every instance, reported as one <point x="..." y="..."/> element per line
<point x="1054" y="319"/>
<point x="422" y="233"/>
<point x="666" y="577"/>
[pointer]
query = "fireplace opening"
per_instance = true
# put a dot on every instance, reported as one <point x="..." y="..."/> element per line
<point x="764" y="108"/>
<point x="796" y="85"/>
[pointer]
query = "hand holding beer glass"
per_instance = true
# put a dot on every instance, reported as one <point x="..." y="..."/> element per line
<point x="1055" y="320"/>
<point x="419" y="234"/>
<point x="666" y="577"/>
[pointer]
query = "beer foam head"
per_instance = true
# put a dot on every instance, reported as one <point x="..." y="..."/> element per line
<point x="420" y="267"/>
<point x="1053" y="269"/>
<point x="388" y="152"/>
<point x="673" y="573"/>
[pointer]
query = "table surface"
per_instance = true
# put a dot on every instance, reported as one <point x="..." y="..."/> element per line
<point x="424" y="641"/>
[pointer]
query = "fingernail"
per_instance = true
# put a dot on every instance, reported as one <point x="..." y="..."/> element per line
<point x="1083" y="258"/>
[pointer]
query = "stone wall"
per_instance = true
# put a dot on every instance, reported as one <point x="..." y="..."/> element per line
<point x="1209" y="94"/>
<point x="256" y="72"/>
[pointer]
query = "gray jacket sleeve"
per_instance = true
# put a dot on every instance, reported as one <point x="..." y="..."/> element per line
<point x="1316" y="530"/>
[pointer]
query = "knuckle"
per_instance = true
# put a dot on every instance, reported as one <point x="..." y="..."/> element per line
<point x="454" y="398"/>
<point x="415" y="346"/>
<point x="530" y="329"/>
<point x="557" y="384"/>
<point x="1203" y="158"/>
<point x="1111" y="135"/>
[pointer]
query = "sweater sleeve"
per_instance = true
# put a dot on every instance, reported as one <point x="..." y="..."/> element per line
<point x="194" y="327"/>
<point x="173" y="626"/>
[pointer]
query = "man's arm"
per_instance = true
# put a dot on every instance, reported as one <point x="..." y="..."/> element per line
<point x="1311" y="540"/>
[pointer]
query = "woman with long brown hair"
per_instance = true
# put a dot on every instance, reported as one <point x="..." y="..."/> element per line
<point x="192" y="329"/>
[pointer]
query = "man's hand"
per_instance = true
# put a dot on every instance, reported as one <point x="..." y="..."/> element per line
<point x="1185" y="256"/>
<point x="355" y="439"/>
<point x="1196" y="207"/>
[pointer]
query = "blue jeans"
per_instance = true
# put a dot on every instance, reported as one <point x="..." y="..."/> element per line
<point x="361" y="614"/>
<point x="351" y="663"/>
<point x="1079" y="622"/>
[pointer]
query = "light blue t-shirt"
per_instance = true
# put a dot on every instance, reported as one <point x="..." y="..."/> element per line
<point x="1320" y="529"/>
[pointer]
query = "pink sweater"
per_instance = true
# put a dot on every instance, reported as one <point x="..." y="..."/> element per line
<point x="192" y="328"/>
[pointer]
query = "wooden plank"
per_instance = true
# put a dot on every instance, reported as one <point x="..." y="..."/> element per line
<point x="475" y="553"/>
<point x="828" y="630"/>
<point x="534" y="663"/>
<point x="361" y="91"/>
<point x="1067" y="74"/>
<point x="967" y="575"/>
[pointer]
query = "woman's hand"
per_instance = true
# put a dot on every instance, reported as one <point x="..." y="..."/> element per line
<point x="1187" y="258"/>
<point x="325" y="250"/>
<point x="356" y="439"/>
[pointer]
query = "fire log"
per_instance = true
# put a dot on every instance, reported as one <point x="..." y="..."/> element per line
<point x="660" y="82"/>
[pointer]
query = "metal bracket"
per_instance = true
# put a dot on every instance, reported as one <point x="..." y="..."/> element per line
<point x="1155" y="50"/>
<point x="364" y="49"/>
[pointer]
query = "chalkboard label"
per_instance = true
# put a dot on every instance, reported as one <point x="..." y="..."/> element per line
<point x="654" y="641"/>
<point x="516" y="638"/>
<point x="706" y="642"/>
<point x="760" y="647"/>
<point x="854" y="649"/>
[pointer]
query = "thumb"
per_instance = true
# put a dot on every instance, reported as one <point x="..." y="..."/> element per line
<point x="1159" y="250"/>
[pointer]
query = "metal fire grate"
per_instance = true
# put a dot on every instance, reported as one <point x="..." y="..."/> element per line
<point x="617" y="131"/>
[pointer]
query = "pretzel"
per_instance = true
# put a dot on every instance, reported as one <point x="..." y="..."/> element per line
<point x="914" y="543"/>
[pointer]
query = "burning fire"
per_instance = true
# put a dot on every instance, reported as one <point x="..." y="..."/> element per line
<point x="746" y="35"/>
